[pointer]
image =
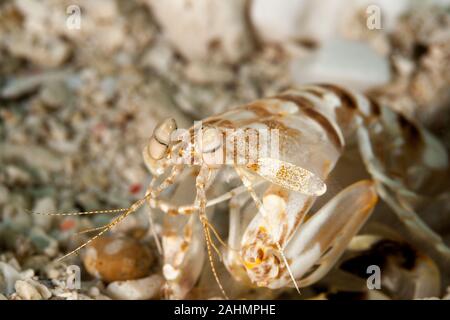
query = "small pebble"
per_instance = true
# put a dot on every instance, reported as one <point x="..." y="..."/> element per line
<point x="53" y="273"/>
<point x="94" y="291"/>
<point x="55" y="94"/>
<point x="4" y="194"/>
<point x="43" y="243"/>
<point x="37" y="262"/>
<point x="42" y="289"/>
<point x="8" y="276"/>
<point x="141" y="289"/>
<point x="20" y="86"/>
<point x="117" y="258"/>
<point x="26" y="291"/>
<point x="17" y="175"/>
<point x="44" y="205"/>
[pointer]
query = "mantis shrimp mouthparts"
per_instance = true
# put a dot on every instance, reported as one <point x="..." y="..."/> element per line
<point x="273" y="239"/>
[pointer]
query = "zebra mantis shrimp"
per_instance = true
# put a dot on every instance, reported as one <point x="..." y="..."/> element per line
<point x="273" y="239"/>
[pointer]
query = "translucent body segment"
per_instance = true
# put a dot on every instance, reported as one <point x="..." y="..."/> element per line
<point x="184" y="254"/>
<point x="324" y="237"/>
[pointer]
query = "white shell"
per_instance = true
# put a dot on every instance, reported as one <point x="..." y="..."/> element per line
<point x="197" y="28"/>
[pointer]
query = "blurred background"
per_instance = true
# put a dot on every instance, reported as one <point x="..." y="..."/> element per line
<point x="84" y="82"/>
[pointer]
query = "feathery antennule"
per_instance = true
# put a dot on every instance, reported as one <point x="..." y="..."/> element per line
<point x="219" y="238"/>
<point x="219" y="254"/>
<point x="207" y="225"/>
<point x="201" y="201"/>
<point x="210" y="257"/>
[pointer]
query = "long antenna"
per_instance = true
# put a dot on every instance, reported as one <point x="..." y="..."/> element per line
<point x="80" y="213"/>
<point x="130" y="210"/>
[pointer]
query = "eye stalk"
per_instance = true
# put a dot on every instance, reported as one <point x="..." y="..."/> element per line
<point x="160" y="140"/>
<point x="211" y="147"/>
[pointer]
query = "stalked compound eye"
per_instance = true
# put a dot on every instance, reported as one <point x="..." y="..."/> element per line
<point x="211" y="149"/>
<point x="160" y="140"/>
<point x="211" y="140"/>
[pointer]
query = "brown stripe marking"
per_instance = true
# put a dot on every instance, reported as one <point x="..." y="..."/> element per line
<point x="409" y="129"/>
<point x="375" y="107"/>
<point x="308" y="107"/>
<point x="314" y="92"/>
<point x="259" y="109"/>
<point x="225" y="123"/>
<point x="347" y="99"/>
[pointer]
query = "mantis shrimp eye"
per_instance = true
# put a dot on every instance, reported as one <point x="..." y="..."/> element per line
<point x="211" y="140"/>
<point x="160" y="140"/>
<point x="211" y="148"/>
